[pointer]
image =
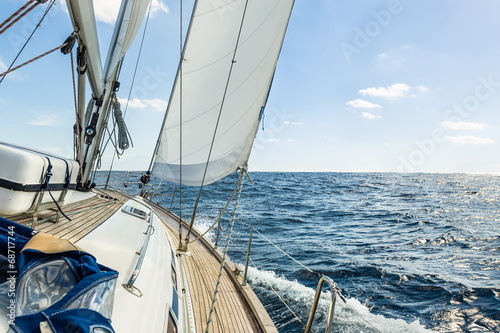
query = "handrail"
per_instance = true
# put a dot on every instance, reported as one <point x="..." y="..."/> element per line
<point x="129" y="286"/>
<point x="333" y="293"/>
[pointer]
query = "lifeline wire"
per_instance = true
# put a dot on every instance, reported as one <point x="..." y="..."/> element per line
<point x="296" y="261"/>
<point x="270" y="286"/>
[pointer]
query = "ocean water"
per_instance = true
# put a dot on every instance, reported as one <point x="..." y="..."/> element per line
<point x="410" y="252"/>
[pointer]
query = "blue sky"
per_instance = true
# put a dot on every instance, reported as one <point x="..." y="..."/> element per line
<point x="410" y="86"/>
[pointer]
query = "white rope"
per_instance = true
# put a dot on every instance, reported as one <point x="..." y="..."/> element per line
<point x="240" y="180"/>
<point x="223" y="262"/>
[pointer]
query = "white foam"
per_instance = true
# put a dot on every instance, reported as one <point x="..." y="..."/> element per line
<point x="202" y="223"/>
<point x="300" y="298"/>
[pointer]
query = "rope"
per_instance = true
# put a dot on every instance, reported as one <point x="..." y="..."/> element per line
<point x="123" y="134"/>
<point x="3" y="26"/>
<point x="223" y="262"/>
<point x="36" y="58"/>
<point x="240" y="180"/>
<point x="29" y="38"/>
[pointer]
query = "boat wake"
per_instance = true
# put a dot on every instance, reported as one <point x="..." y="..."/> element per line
<point x="351" y="316"/>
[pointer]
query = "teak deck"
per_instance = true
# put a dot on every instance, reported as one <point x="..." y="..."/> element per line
<point x="237" y="308"/>
<point x="85" y="215"/>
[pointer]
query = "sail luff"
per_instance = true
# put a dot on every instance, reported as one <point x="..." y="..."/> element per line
<point x="207" y="64"/>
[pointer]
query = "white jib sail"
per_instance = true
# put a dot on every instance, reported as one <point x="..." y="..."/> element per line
<point x="129" y="21"/>
<point x="207" y="69"/>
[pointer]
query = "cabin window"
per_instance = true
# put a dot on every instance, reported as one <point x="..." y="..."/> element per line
<point x="174" y="277"/>
<point x="172" y="324"/>
<point x="173" y="258"/>
<point x="175" y="303"/>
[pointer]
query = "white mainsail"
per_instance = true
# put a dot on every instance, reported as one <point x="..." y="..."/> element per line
<point x="251" y="31"/>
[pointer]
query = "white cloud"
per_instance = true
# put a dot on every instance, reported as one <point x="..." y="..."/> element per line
<point x="462" y="125"/>
<point x="45" y="119"/>
<point x="158" y="6"/>
<point x="395" y="90"/>
<point x="156" y="104"/>
<point x="273" y="140"/>
<point x="422" y="89"/>
<point x="134" y="103"/>
<point x="3" y="66"/>
<point x="368" y="115"/>
<point x="362" y="104"/>
<point x="387" y="60"/>
<point x="468" y="140"/>
<point x="106" y="11"/>
<point x="295" y="123"/>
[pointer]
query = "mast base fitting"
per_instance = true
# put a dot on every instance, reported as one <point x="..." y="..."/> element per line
<point x="182" y="247"/>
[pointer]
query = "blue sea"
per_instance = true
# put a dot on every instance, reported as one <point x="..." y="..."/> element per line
<point x="410" y="252"/>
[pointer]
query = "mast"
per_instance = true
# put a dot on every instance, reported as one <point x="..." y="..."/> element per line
<point x="128" y="22"/>
<point x="83" y="19"/>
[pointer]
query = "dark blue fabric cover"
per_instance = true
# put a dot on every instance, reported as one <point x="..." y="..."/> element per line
<point x="88" y="274"/>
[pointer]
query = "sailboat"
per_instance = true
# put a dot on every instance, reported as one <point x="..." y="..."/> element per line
<point x="85" y="259"/>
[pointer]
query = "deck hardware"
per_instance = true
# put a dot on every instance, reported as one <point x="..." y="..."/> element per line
<point x="172" y="201"/>
<point x="333" y="294"/>
<point x="130" y="284"/>
<point x="133" y="290"/>
<point x="248" y="256"/>
<point x="218" y="228"/>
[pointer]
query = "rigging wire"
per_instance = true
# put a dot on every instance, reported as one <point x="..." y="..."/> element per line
<point x="27" y="41"/>
<point x="180" y="133"/>
<point x="78" y="128"/>
<point x="233" y="61"/>
<point x="240" y="180"/>
<point x="132" y="84"/>
<point x="270" y="286"/>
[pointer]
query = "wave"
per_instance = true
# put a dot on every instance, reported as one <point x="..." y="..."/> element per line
<point x="352" y="316"/>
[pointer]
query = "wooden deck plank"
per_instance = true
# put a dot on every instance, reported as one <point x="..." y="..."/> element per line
<point x="84" y="217"/>
<point x="233" y="312"/>
<point x="225" y="303"/>
<point x="202" y="270"/>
